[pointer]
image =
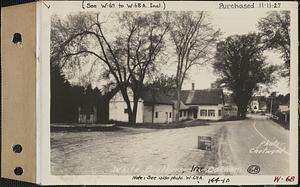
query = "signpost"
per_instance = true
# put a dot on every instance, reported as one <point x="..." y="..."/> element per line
<point x="204" y="143"/>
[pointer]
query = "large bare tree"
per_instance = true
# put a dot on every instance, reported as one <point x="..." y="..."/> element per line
<point x="275" y="32"/>
<point x="129" y="51"/>
<point x="194" y="40"/>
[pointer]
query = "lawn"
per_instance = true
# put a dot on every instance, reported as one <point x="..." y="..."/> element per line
<point x="173" y="125"/>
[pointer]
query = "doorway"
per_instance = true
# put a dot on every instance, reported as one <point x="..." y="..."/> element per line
<point x="195" y="114"/>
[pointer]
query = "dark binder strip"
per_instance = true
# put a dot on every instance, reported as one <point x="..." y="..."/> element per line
<point x="5" y="3"/>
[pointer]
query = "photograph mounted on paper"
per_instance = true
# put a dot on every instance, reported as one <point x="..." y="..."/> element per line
<point x="173" y="92"/>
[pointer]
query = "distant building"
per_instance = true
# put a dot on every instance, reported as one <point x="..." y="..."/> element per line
<point x="284" y="108"/>
<point x="258" y="104"/>
<point x="254" y="105"/>
<point x="87" y="114"/>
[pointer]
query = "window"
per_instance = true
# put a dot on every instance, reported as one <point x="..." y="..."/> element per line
<point x="220" y="113"/>
<point x="156" y="114"/>
<point x="125" y="110"/>
<point x="203" y="112"/>
<point x="211" y="112"/>
<point x="170" y="115"/>
<point x="180" y="113"/>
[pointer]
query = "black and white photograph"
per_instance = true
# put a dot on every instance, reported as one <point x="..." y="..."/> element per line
<point x="170" y="92"/>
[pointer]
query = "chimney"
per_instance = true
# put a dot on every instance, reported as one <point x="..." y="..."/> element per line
<point x="193" y="86"/>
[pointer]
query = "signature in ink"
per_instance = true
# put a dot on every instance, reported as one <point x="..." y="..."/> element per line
<point x="268" y="147"/>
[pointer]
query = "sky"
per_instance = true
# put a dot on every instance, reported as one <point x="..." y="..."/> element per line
<point x="230" y="23"/>
<point x="235" y="22"/>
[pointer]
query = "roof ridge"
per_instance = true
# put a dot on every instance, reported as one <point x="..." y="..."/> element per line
<point x="204" y="89"/>
<point x="190" y="96"/>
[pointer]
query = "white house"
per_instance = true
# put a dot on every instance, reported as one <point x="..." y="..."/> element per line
<point x="284" y="108"/>
<point x="257" y="104"/>
<point x="254" y="105"/>
<point x="153" y="107"/>
<point x="157" y="107"/>
<point x="204" y="104"/>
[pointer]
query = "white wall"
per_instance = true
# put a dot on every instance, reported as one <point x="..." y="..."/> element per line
<point x="183" y="117"/>
<point x="254" y="105"/>
<point x="147" y="114"/>
<point x="117" y="108"/>
<point x="216" y="108"/>
<point x="116" y="112"/>
<point x="163" y="112"/>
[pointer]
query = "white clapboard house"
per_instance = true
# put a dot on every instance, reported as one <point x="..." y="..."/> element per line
<point x="157" y="107"/>
<point x="153" y="107"/>
<point x="204" y="104"/>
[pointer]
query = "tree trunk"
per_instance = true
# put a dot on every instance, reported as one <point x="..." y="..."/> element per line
<point x="177" y="107"/>
<point x="103" y="111"/>
<point x="131" y="118"/>
<point x="131" y="115"/>
<point x="241" y="113"/>
<point x="244" y="111"/>
<point x="152" y="113"/>
<point x="134" y="111"/>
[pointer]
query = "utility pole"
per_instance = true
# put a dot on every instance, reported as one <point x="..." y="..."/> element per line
<point x="271" y="111"/>
<point x="273" y="95"/>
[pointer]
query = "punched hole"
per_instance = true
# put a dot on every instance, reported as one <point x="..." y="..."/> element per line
<point x="17" y="38"/>
<point x="18" y="171"/>
<point x="17" y="148"/>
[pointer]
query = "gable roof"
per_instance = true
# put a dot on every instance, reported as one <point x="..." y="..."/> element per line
<point x="155" y="96"/>
<point x="182" y="106"/>
<point x="188" y="97"/>
<point x="202" y="97"/>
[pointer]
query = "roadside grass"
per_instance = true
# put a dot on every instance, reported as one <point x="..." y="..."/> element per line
<point x="116" y="125"/>
<point x="233" y="118"/>
<point x="284" y="124"/>
<point x="173" y="125"/>
<point x="75" y="127"/>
